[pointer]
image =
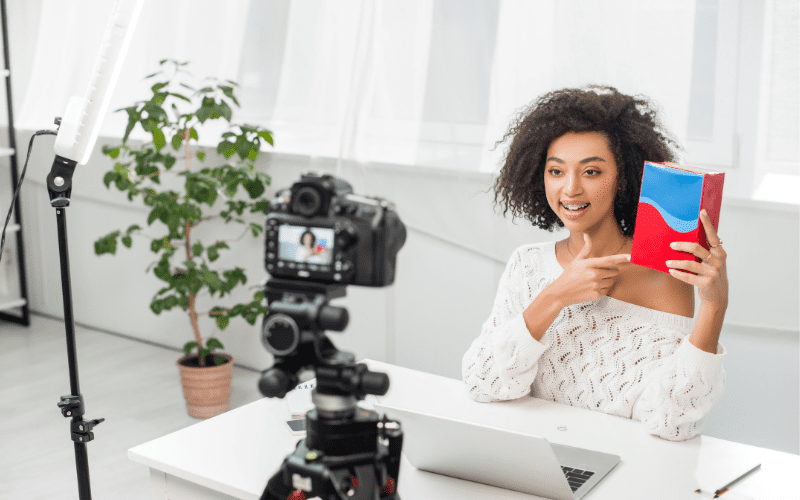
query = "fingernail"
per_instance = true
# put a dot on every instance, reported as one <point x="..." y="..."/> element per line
<point x="703" y="211"/>
<point x="628" y="257"/>
<point x="672" y="245"/>
<point x="669" y="263"/>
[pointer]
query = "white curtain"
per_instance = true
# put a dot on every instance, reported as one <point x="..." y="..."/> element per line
<point x="423" y="82"/>
<point x="206" y="32"/>
<point x="362" y="79"/>
<point x="637" y="46"/>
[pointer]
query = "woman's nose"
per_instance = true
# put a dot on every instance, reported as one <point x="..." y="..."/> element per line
<point x="573" y="183"/>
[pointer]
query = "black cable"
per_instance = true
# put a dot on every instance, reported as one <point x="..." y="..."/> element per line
<point x="19" y="185"/>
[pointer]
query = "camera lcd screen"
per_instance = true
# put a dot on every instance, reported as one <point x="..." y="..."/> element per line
<point x="305" y="244"/>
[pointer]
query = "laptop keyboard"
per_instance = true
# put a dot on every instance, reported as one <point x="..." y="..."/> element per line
<point x="576" y="477"/>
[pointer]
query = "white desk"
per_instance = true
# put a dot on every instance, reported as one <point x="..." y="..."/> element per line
<point x="233" y="455"/>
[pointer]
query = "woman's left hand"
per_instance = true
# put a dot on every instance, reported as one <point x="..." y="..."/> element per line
<point x="709" y="276"/>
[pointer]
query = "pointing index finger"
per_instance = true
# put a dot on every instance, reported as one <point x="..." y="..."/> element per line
<point x="613" y="260"/>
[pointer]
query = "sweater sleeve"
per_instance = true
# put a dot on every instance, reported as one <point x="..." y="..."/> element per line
<point x="501" y="363"/>
<point x="679" y="395"/>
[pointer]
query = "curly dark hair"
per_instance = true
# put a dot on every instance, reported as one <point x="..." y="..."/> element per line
<point x="313" y="238"/>
<point x="630" y="124"/>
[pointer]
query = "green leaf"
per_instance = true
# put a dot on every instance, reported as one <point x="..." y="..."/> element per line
<point x="158" y="86"/>
<point x="243" y="146"/>
<point x="180" y="96"/>
<point x="134" y="227"/>
<point x="201" y="155"/>
<point x="106" y="244"/>
<point x="122" y="169"/>
<point x="267" y="136"/>
<point x="133" y="119"/>
<point x="206" y="90"/>
<point x="155" y="213"/>
<point x="213" y="343"/>
<point x="224" y="110"/>
<point x="197" y="249"/>
<point x="168" y="161"/>
<point x="193" y="133"/>
<point x="156" y="246"/>
<point x="226" y="148"/>
<point x="177" y="140"/>
<point x="127" y="241"/>
<point x="109" y="178"/>
<point x="256" y="229"/>
<point x="187" y="347"/>
<point x="222" y="321"/>
<point x="260" y="207"/>
<point x="255" y="188"/>
<point x="162" y="270"/>
<point x="114" y="153"/>
<point x="219" y="360"/>
<point x="203" y="114"/>
<point x="228" y="91"/>
<point x="203" y="352"/>
<point x="158" y="138"/>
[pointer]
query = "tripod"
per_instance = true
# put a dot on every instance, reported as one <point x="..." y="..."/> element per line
<point x="59" y="187"/>
<point x="349" y="452"/>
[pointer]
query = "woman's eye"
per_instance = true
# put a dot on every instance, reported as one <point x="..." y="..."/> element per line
<point x="555" y="171"/>
<point x="596" y="172"/>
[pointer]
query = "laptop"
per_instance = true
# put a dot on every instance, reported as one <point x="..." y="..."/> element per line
<point x="499" y="457"/>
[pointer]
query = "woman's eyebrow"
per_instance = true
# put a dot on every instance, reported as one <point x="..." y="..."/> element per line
<point x="586" y="160"/>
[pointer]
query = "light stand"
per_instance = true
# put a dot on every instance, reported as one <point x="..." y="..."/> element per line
<point x="59" y="187"/>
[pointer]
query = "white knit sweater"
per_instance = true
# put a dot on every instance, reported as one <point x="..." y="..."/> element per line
<point x="605" y="355"/>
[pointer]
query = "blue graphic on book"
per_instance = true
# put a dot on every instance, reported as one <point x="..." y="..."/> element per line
<point x="676" y="194"/>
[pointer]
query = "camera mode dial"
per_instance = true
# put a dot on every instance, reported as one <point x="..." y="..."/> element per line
<point x="346" y="236"/>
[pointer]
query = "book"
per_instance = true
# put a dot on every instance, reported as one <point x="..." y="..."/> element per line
<point x="670" y="202"/>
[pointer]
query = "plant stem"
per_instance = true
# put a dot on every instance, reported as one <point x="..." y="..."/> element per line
<point x="188" y="230"/>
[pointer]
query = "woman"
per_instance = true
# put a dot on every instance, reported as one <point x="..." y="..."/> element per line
<point x="308" y="250"/>
<point x="573" y="321"/>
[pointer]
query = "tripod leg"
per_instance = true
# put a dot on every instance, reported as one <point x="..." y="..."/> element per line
<point x="278" y="488"/>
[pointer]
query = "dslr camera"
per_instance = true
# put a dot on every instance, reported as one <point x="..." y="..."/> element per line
<point x="318" y="230"/>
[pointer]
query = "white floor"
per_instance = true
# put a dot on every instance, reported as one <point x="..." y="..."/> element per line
<point x="134" y="386"/>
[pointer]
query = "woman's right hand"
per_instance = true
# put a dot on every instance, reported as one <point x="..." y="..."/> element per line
<point x="587" y="278"/>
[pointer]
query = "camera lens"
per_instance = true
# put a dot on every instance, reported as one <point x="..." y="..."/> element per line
<point x="307" y="201"/>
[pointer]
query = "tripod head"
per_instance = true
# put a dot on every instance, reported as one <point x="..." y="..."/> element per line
<point x="294" y="332"/>
<point x="349" y="452"/>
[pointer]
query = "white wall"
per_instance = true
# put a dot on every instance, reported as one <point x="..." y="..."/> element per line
<point x="448" y="272"/>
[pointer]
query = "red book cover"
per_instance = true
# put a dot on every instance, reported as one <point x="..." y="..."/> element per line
<point x="670" y="202"/>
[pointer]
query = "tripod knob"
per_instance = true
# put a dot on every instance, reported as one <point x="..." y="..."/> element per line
<point x="275" y="383"/>
<point x="375" y="383"/>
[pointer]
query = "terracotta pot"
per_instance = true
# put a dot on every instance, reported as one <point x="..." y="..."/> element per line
<point x="207" y="389"/>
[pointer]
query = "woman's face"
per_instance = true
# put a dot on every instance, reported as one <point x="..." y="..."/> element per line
<point x="580" y="171"/>
<point x="308" y="240"/>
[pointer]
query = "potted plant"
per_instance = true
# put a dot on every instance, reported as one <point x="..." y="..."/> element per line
<point x="183" y="262"/>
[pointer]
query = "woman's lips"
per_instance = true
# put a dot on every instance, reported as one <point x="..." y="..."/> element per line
<point x="574" y="214"/>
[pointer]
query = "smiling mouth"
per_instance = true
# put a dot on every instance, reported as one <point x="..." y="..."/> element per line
<point x="575" y="208"/>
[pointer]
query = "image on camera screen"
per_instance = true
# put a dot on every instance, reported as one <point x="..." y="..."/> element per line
<point x="305" y="244"/>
